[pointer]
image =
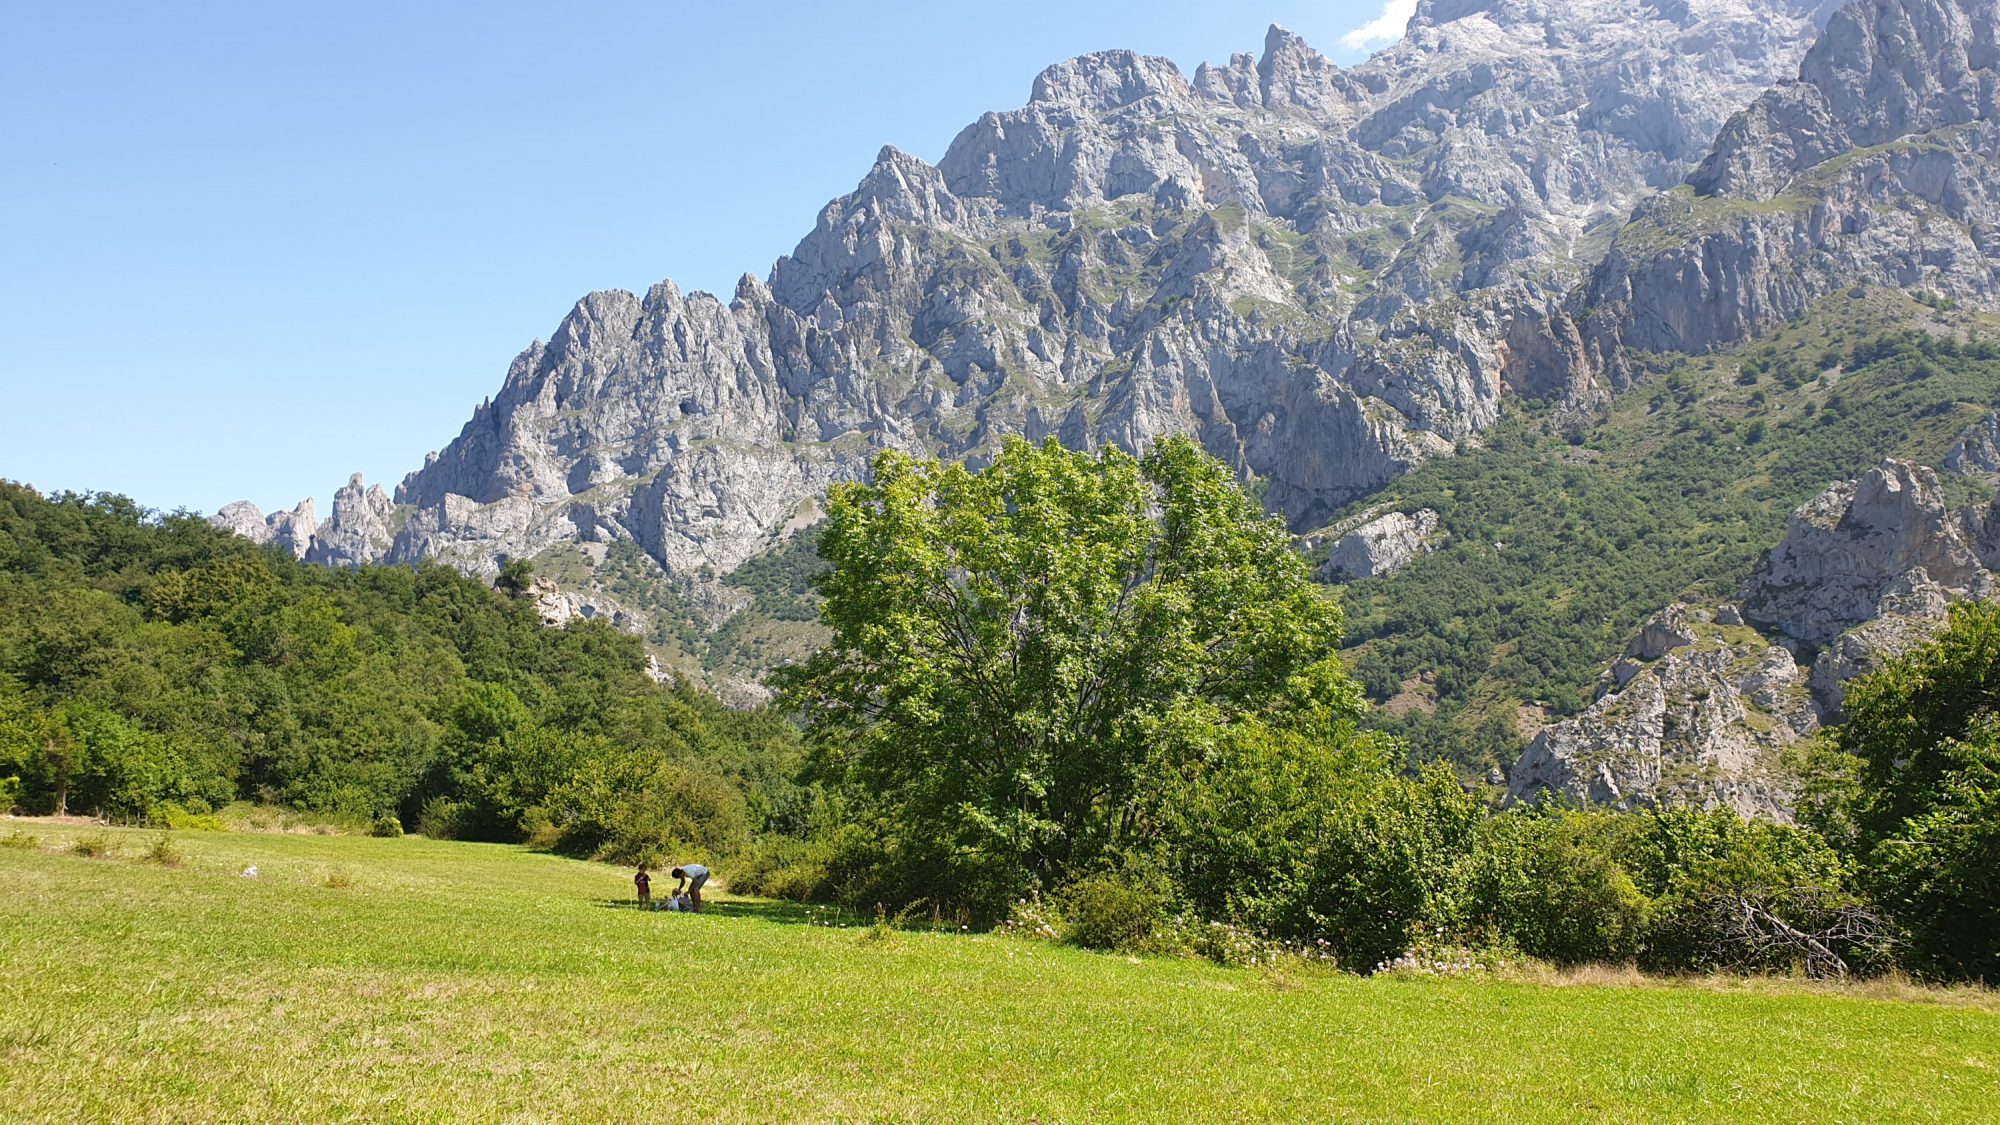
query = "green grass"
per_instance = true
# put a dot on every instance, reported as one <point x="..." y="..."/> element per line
<point x="407" y="979"/>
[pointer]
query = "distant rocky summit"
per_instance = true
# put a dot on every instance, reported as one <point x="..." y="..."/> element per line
<point x="1877" y="165"/>
<point x="291" y="532"/>
<point x="1704" y="700"/>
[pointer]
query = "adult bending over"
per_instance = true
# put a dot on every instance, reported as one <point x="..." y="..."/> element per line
<point x="692" y="876"/>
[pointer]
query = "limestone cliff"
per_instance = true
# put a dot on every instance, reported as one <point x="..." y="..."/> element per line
<point x="1876" y="166"/>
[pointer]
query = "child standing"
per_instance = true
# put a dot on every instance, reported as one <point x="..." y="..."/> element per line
<point x="644" y="882"/>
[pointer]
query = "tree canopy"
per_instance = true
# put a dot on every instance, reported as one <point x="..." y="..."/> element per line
<point x="1914" y="792"/>
<point x="1007" y="643"/>
<point x="152" y="665"/>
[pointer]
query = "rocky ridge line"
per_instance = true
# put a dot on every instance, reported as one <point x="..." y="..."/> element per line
<point x="1329" y="275"/>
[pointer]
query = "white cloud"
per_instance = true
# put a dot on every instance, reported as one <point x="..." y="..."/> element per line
<point x="1383" y="29"/>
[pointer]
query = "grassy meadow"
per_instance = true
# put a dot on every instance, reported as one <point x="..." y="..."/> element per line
<point x="405" y="979"/>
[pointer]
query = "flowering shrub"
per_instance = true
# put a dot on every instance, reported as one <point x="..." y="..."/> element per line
<point x="1035" y="919"/>
<point x="1232" y="945"/>
<point x="1435" y="955"/>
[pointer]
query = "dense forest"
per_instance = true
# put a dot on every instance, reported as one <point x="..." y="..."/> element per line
<point x="154" y="668"/>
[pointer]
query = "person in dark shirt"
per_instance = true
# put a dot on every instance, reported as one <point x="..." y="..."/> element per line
<point x="644" y="882"/>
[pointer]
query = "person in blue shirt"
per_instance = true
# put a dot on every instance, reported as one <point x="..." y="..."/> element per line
<point x="692" y="876"/>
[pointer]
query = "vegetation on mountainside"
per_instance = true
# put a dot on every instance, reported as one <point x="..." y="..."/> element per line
<point x="1560" y="544"/>
<point x="154" y="666"/>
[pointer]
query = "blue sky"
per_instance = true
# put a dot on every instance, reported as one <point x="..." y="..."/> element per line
<point x="248" y="249"/>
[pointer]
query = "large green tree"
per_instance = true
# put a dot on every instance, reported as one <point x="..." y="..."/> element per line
<point x="1008" y="641"/>
<point x="1916" y="795"/>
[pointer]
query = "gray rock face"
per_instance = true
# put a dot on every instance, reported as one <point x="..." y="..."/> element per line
<point x="1668" y="630"/>
<point x="1383" y="545"/>
<point x="558" y="607"/>
<point x="1877" y="166"/>
<point x="1893" y="558"/>
<point x="1883" y="70"/>
<point x="360" y="530"/>
<point x="1702" y="723"/>
<point x="1976" y="453"/>
<point x="1327" y="275"/>
<point x="289" y="531"/>
<point x="1858" y="550"/>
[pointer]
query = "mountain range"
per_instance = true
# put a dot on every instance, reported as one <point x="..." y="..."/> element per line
<point x="1523" y="214"/>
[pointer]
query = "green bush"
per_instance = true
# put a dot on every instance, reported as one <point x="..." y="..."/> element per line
<point x="1387" y="862"/>
<point x="783" y="867"/>
<point x="386" y="826"/>
<point x="163" y="852"/>
<point x="632" y="810"/>
<point x="1937" y="879"/>
<point x="442" y="819"/>
<point x="539" y="831"/>
<point x="1549" y="885"/>
<point x="1910" y="786"/>
<point x="97" y="845"/>
<point x="1239" y="813"/>
<point x="196" y="817"/>
<point x="10" y="793"/>
<point x="1110" y="911"/>
<point x="1739" y="895"/>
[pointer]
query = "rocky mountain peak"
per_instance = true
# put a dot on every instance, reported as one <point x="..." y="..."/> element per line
<point x="360" y="529"/>
<point x="1875" y="168"/>
<point x="905" y="188"/>
<point x="1327" y="275"/>
<point x="1883" y="70"/>
<point x="1108" y="80"/>
<point x="1891" y="67"/>
<point x="1291" y="73"/>
<point x="288" y="531"/>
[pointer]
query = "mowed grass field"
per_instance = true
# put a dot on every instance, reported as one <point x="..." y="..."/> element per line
<point x="365" y="979"/>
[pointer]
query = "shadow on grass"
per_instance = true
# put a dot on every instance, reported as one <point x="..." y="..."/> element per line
<point x="768" y="910"/>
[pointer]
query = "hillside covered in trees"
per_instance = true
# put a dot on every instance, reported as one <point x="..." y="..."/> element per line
<point x="153" y="667"/>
